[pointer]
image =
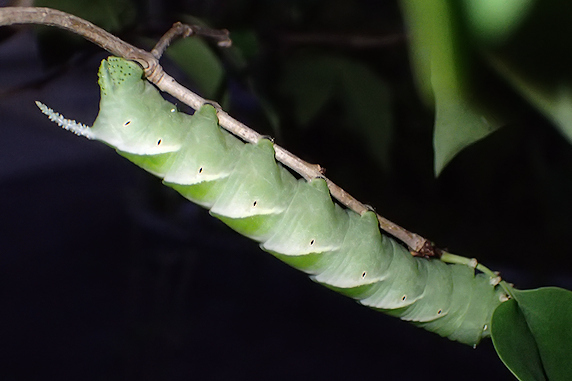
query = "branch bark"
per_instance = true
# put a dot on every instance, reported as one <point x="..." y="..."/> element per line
<point x="155" y="74"/>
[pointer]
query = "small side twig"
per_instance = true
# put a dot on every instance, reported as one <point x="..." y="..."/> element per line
<point x="180" y="30"/>
<point x="155" y="74"/>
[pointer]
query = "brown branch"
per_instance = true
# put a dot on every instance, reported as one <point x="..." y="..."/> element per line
<point x="53" y="17"/>
<point x="180" y="30"/>
<point x="154" y="73"/>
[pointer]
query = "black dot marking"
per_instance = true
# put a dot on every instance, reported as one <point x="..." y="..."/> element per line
<point x="404" y="298"/>
<point x="312" y="242"/>
<point x="201" y="170"/>
<point x="363" y="274"/>
<point x="159" y="142"/>
<point x="127" y="123"/>
<point x="439" y="312"/>
<point x="254" y="203"/>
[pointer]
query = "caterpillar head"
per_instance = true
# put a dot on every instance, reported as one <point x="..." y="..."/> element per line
<point x="132" y="115"/>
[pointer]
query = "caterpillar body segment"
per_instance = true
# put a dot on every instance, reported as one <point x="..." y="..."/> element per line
<point x="296" y="221"/>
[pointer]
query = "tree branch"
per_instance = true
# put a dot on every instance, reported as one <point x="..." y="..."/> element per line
<point x="53" y="17"/>
<point x="155" y="74"/>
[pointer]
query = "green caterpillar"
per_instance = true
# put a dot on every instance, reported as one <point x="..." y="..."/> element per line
<point x="293" y="219"/>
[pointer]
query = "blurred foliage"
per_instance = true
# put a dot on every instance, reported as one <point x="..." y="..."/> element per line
<point x="494" y="21"/>
<point x="332" y="82"/>
<point x="198" y="61"/>
<point x="112" y="15"/>
<point x="311" y="81"/>
<point x="455" y="43"/>
<point x="443" y="60"/>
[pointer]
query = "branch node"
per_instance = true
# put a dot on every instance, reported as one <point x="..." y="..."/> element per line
<point x="154" y="72"/>
<point x="428" y="250"/>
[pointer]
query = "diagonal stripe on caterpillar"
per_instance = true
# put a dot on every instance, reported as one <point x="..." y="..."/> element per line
<point x="296" y="221"/>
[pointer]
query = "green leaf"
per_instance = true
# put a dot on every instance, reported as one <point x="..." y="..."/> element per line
<point x="368" y="103"/>
<point x="111" y="15"/>
<point x="548" y="312"/>
<point x="199" y="62"/>
<point x="57" y="46"/>
<point x="458" y="124"/>
<point x="552" y="98"/>
<point x="245" y="42"/>
<point x="533" y="334"/>
<point x="441" y="54"/>
<point x="311" y="81"/>
<point x="514" y="342"/>
<point x="494" y="21"/>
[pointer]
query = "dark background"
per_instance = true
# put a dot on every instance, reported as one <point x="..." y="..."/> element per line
<point x="106" y="274"/>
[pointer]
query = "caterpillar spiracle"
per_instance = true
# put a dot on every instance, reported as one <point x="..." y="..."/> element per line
<point x="293" y="219"/>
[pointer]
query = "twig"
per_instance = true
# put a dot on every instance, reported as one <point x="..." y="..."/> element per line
<point x="180" y="30"/>
<point x="154" y="73"/>
<point x="53" y="17"/>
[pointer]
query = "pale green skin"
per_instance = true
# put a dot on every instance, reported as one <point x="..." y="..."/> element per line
<point x="293" y="219"/>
